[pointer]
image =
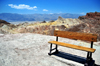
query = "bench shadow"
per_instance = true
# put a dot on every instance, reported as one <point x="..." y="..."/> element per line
<point x="75" y="58"/>
<point x="70" y="57"/>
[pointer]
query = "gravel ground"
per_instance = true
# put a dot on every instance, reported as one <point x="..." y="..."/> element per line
<point x="29" y="49"/>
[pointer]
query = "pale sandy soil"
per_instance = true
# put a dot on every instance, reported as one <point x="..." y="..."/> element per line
<point x="32" y="50"/>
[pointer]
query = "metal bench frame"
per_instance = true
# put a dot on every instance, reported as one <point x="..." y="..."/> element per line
<point x="89" y="54"/>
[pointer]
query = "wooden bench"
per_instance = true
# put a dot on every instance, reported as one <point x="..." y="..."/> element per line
<point x="74" y="35"/>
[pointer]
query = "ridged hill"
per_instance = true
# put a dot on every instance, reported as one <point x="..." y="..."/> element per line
<point x="87" y="25"/>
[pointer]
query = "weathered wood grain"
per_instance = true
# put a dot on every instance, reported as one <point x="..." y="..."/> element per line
<point x="76" y="35"/>
<point x="73" y="46"/>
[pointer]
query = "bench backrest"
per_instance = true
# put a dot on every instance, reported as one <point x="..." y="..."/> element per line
<point x="76" y="35"/>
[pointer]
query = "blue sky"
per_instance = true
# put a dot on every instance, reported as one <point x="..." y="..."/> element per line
<point x="49" y="6"/>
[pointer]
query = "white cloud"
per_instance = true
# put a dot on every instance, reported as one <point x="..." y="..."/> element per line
<point x="50" y="13"/>
<point x="22" y="6"/>
<point x="45" y="10"/>
<point x="83" y="13"/>
<point x="35" y="6"/>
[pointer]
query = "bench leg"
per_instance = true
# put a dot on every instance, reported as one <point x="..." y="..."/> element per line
<point x="53" y="49"/>
<point x="50" y="49"/>
<point x="89" y="56"/>
<point x="89" y="59"/>
<point x="56" y="48"/>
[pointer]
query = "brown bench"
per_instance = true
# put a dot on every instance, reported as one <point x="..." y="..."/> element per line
<point x="74" y="35"/>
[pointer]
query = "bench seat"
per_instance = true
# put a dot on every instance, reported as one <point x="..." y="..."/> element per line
<point x="77" y="36"/>
<point x="73" y="46"/>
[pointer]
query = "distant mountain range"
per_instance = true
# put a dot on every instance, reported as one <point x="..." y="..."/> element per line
<point x="35" y="17"/>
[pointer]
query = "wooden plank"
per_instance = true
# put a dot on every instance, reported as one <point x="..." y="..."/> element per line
<point x="76" y="35"/>
<point x="73" y="46"/>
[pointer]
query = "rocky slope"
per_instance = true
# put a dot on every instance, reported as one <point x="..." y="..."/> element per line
<point x="92" y="22"/>
<point x="37" y="27"/>
<point x="87" y="24"/>
<point x="91" y="15"/>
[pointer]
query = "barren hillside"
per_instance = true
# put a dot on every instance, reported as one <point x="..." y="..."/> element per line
<point x="88" y="24"/>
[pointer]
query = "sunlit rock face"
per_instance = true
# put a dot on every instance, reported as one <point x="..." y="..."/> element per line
<point x="88" y="24"/>
<point x="93" y="16"/>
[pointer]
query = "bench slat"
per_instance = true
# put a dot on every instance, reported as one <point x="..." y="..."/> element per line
<point x="73" y="46"/>
<point x="76" y="35"/>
